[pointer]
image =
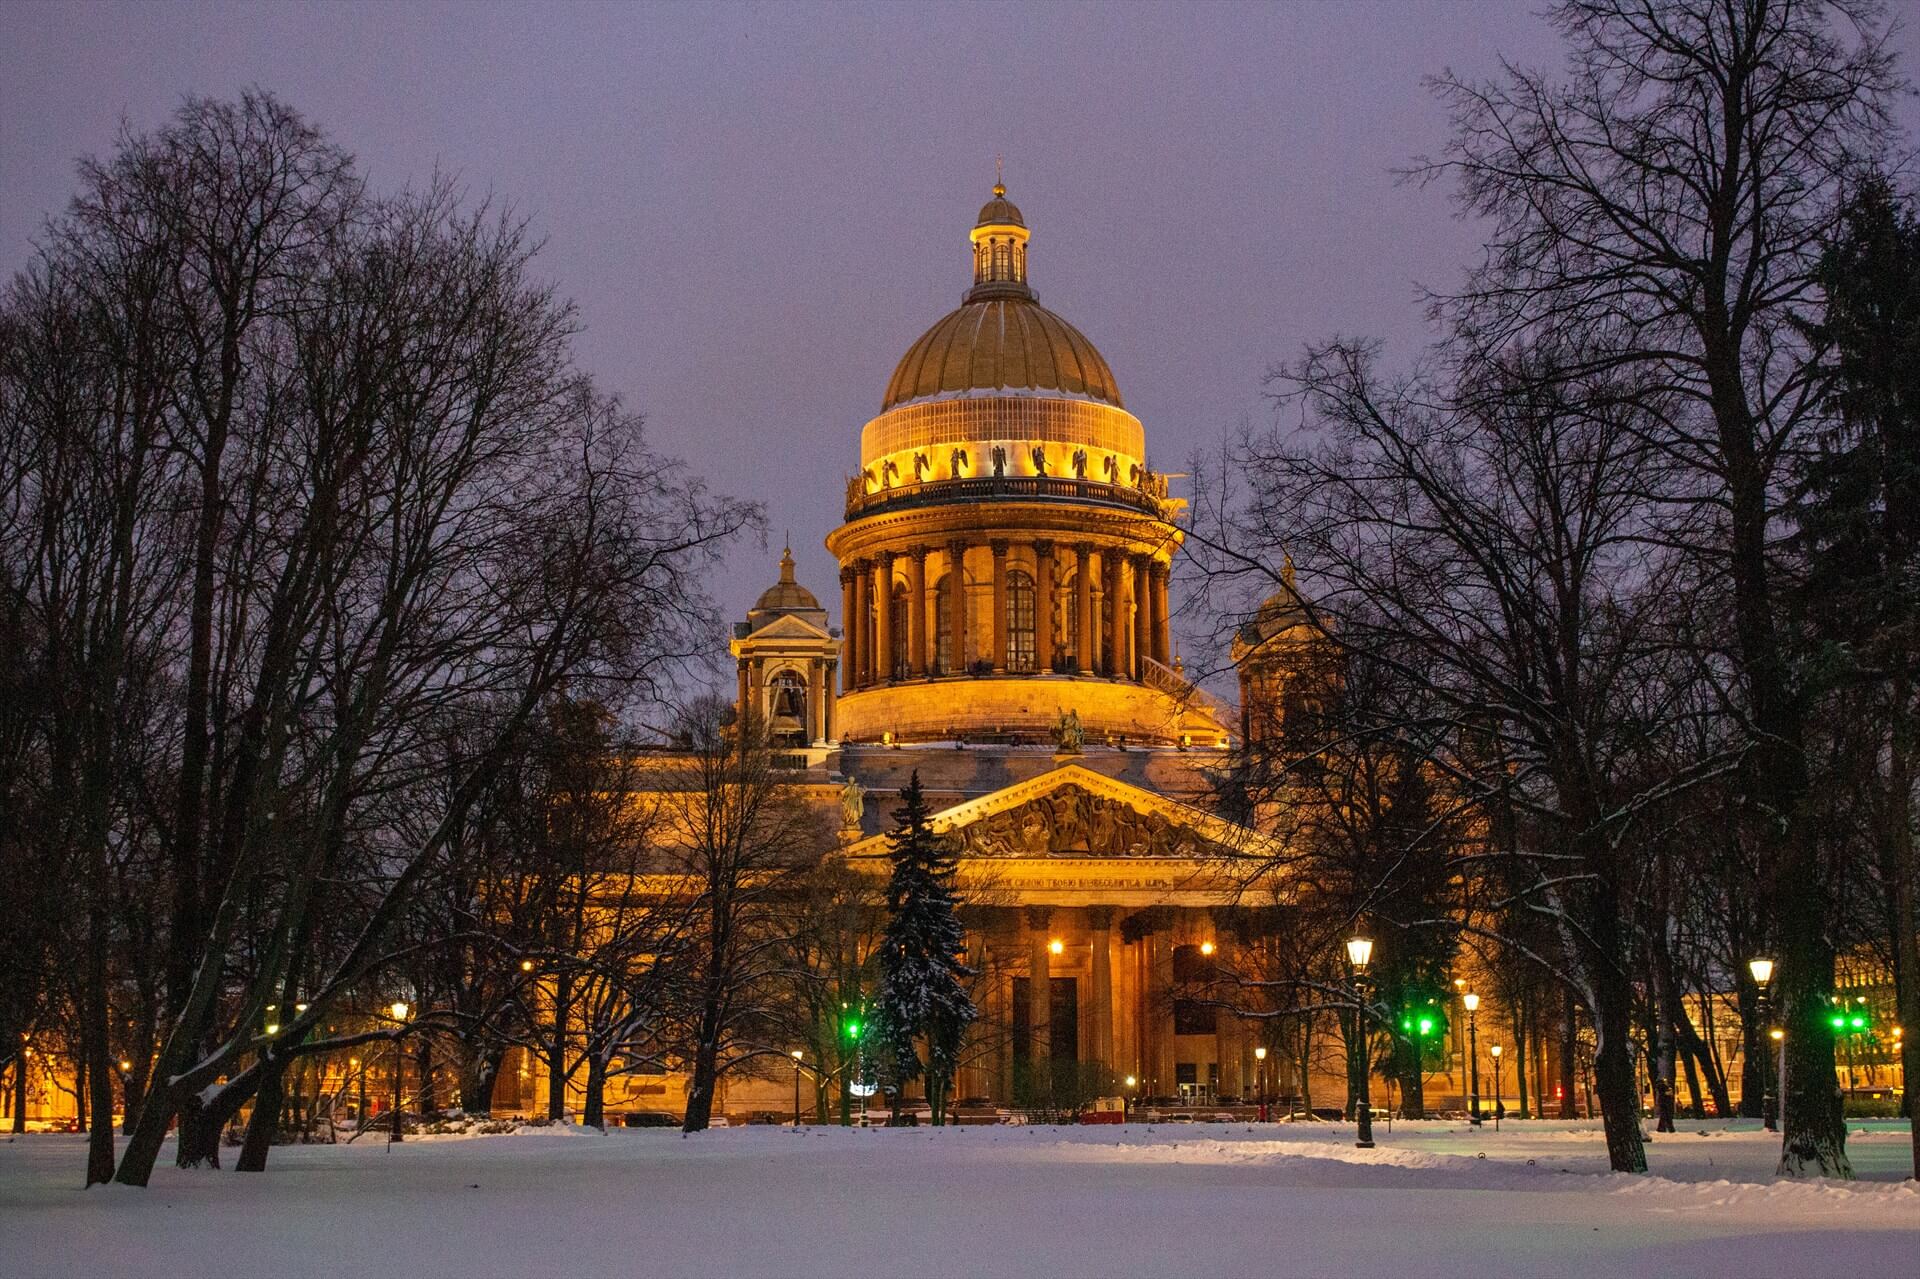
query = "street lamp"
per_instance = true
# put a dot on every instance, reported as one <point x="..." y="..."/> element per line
<point x="797" y="1057"/>
<point x="1472" y="1001"/>
<point x="399" y="1010"/>
<point x="1762" y="970"/>
<point x="1057" y="947"/>
<point x="1206" y="948"/>
<point x="1260" y="1056"/>
<point x="1359" y="953"/>
<point x="1498" y="1104"/>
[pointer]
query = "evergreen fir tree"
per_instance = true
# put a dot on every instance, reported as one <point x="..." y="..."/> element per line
<point x="923" y="1004"/>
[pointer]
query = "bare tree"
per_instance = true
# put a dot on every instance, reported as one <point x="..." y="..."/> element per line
<point x="1674" y="190"/>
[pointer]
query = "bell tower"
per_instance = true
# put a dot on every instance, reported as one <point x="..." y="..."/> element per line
<point x="787" y="660"/>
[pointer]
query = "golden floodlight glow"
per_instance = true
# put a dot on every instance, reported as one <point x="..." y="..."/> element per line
<point x="1057" y="946"/>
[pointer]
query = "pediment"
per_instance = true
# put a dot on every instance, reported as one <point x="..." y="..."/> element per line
<point x="788" y="627"/>
<point x="1075" y="812"/>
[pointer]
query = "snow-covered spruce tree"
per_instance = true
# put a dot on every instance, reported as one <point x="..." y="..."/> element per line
<point x="922" y="1004"/>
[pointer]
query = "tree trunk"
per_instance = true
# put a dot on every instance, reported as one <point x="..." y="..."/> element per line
<point x="1753" y="1050"/>
<point x="429" y="1099"/>
<point x="1522" y="1046"/>
<point x="1897" y="870"/>
<point x="594" y="1113"/>
<point x="200" y="1127"/>
<point x="700" y="1090"/>
<point x="479" y="1072"/>
<point x="264" y="1124"/>
<point x="1569" y="1056"/>
<point x="557" y="1050"/>
<point x="20" y="1087"/>
<point x="1613" y="1075"/>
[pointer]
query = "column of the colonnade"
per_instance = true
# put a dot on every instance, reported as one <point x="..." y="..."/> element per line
<point x="1227" y="1036"/>
<point x="1046" y="633"/>
<point x="1162" y="622"/>
<point x="1142" y="610"/>
<point x="1083" y="606"/>
<point x="850" y="647"/>
<point x="1039" y="985"/>
<point x="1113" y="644"/>
<point x="917" y="612"/>
<point x="857" y="625"/>
<point x="1100" y="926"/>
<point x="957" y="602"/>
<point x="1000" y="645"/>
<point x="883" y="618"/>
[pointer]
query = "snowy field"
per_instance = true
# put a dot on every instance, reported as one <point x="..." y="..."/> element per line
<point x="1213" y="1201"/>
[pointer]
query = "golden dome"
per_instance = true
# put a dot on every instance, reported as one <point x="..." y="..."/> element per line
<point x="1004" y="345"/>
<point x="1001" y="341"/>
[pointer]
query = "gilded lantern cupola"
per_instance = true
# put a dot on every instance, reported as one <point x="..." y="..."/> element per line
<point x="1007" y="545"/>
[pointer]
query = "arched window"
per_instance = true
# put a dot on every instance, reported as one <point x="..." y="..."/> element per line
<point x="897" y="623"/>
<point x="1020" y="621"/>
<point x="1002" y="257"/>
<point x="787" y="709"/>
<point x="943" y="659"/>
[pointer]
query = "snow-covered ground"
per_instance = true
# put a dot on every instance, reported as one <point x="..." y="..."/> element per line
<point x="1214" y="1201"/>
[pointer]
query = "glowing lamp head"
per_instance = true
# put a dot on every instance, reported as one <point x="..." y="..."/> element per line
<point x="1495" y="1050"/>
<point x="1057" y="946"/>
<point x="1472" y="1001"/>
<point x="526" y="965"/>
<point x="1260" y="1053"/>
<point x="1132" y="1082"/>
<point x="797" y="1054"/>
<point x="1762" y="970"/>
<point x="273" y="1028"/>
<point x="125" y="1064"/>
<point x="1776" y="1034"/>
<point x="1206" y="948"/>
<point x="1359" y="952"/>
<point x="399" y="1009"/>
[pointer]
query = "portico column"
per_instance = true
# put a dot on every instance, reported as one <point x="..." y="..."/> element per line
<point x="1100" y="922"/>
<point x="756" y="693"/>
<point x="1039" y="985"/>
<point x="1137" y="588"/>
<point x="744" y="704"/>
<point x="1043" y="608"/>
<point x="1162" y="623"/>
<point x="1158" y="1048"/>
<point x="849" y="644"/>
<point x="957" y="601"/>
<point x="1083" y="603"/>
<point x="917" y="611"/>
<point x="883" y="618"/>
<point x="999" y="548"/>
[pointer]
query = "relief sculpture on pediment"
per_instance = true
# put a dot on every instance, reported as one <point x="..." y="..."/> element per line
<point x="1073" y="822"/>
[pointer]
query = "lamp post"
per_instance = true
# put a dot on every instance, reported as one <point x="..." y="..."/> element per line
<point x="1762" y="970"/>
<point x="798" y="1056"/>
<point x="1472" y="1001"/>
<point x="1780" y="1055"/>
<point x="399" y="1011"/>
<point x="1359" y="952"/>
<point x="1260" y="1060"/>
<point x="1126" y="1102"/>
<point x="1498" y="1104"/>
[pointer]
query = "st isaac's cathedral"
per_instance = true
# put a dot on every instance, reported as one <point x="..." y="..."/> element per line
<point x="1004" y="567"/>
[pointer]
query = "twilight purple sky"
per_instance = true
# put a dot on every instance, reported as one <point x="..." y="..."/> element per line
<point x="758" y="208"/>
